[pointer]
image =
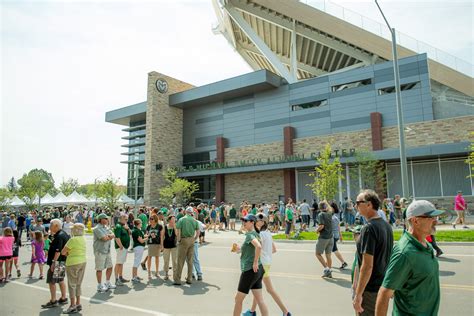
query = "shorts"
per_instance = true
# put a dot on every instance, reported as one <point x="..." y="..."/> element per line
<point x="266" y="269"/>
<point x="250" y="280"/>
<point x="121" y="256"/>
<point x="49" y="277"/>
<point x="231" y="220"/>
<point x="288" y="228"/>
<point x="154" y="250"/>
<point x="324" y="246"/>
<point x="202" y="234"/>
<point x="102" y="261"/>
<point x="138" y="252"/>
<point x="334" y="246"/>
<point x="207" y="221"/>
<point x="5" y="258"/>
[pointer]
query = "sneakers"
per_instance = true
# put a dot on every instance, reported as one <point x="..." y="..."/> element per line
<point x="50" y="304"/>
<point x="454" y="226"/>
<point x="18" y="273"/>
<point x="344" y="265"/>
<point x="110" y="286"/>
<point x="143" y="266"/>
<point x="101" y="288"/>
<point x="135" y="280"/>
<point x="71" y="310"/>
<point x="466" y="227"/>
<point x="199" y="277"/>
<point x="118" y="282"/>
<point x="439" y="253"/>
<point x="327" y="273"/>
<point x="62" y="301"/>
<point x="123" y="280"/>
<point x="248" y="312"/>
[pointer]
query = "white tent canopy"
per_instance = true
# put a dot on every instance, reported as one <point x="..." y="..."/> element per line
<point x="16" y="201"/>
<point x="59" y="199"/>
<point x="46" y="199"/>
<point x="123" y="198"/>
<point x="76" y="198"/>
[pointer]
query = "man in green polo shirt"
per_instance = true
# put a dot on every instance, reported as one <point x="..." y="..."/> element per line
<point x="188" y="232"/>
<point x="412" y="276"/>
<point x="144" y="219"/>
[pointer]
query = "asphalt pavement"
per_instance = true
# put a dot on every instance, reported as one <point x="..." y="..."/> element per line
<point x="295" y="273"/>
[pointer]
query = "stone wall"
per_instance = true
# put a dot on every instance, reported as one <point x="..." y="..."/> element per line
<point x="255" y="187"/>
<point x="260" y="151"/>
<point x="451" y="130"/>
<point x="360" y="140"/>
<point x="164" y="135"/>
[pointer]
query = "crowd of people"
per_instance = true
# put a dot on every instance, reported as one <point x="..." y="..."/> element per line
<point x="380" y="270"/>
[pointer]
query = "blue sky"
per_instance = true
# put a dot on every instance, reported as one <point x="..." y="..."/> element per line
<point x="65" y="63"/>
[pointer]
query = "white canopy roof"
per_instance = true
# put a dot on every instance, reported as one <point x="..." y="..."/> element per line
<point x="76" y="198"/>
<point x="123" y="198"/>
<point x="59" y="199"/>
<point x="16" y="201"/>
<point x="46" y="199"/>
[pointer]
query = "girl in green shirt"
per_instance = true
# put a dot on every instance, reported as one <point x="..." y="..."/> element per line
<point x="139" y="241"/>
<point x="251" y="267"/>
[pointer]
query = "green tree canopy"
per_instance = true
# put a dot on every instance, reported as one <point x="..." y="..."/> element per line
<point x="35" y="182"/>
<point x="5" y="195"/>
<point x="109" y="190"/>
<point x="177" y="188"/>
<point x="69" y="186"/>
<point x="326" y="175"/>
<point x="12" y="186"/>
<point x="372" y="171"/>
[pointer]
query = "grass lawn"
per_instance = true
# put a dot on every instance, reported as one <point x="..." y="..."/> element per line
<point x="445" y="235"/>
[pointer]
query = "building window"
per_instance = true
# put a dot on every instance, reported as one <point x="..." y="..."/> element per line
<point x="350" y="85"/>
<point x="309" y="105"/>
<point x="403" y="87"/>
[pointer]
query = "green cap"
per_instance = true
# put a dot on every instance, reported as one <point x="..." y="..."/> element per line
<point x="102" y="216"/>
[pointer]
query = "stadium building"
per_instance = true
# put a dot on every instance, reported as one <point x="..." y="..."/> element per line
<point x="317" y="79"/>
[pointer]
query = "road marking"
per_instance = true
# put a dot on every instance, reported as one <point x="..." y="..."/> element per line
<point x="94" y="300"/>
<point x="279" y="249"/>
<point x="315" y="277"/>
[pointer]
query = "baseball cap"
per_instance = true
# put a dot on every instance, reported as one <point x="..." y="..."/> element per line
<point x="262" y="217"/>
<point x="189" y="209"/>
<point x="249" y="218"/>
<point x="357" y="229"/>
<point x="422" y="208"/>
<point x="102" y="216"/>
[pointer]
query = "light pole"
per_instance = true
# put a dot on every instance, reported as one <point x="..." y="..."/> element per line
<point x="398" y="100"/>
<point x="137" y="170"/>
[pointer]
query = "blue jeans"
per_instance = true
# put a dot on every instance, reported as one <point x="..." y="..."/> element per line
<point x="196" y="264"/>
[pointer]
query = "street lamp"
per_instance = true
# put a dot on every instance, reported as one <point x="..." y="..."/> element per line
<point x="398" y="99"/>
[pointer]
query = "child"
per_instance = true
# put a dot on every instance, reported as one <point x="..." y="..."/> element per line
<point x="46" y="243"/>
<point x="37" y="254"/>
<point x="6" y="252"/>
<point x="139" y="242"/>
<point x="16" y="251"/>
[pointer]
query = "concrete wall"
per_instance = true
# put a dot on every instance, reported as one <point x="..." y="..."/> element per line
<point x="259" y="118"/>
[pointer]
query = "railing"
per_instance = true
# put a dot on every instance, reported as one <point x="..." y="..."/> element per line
<point x="402" y="39"/>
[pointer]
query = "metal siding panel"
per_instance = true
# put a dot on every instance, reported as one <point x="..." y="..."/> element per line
<point x="210" y="119"/>
<point x="309" y="82"/>
<point x="271" y="117"/>
<point x="343" y="78"/>
<point x="206" y="141"/>
<point x="350" y="98"/>
<point x="314" y="98"/>
<point x="281" y="121"/>
<point x="349" y="122"/>
<point x="354" y="91"/>
<point x="239" y="108"/>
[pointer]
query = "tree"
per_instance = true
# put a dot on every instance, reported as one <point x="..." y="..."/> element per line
<point x="177" y="188"/>
<point x="326" y="175"/>
<point x="372" y="171"/>
<point x="36" y="182"/>
<point x="109" y="191"/>
<point x="470" y="158"/>
<point x="12" y="187"/>
<point x="69" y="186"/>
<point x="87" y="189"/>
<point x="5" y="195"/>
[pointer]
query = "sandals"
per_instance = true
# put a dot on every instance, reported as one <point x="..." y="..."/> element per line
<point x="71" y="310"/>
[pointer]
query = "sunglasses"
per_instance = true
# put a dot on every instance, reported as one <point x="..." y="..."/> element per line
<point x="359" y="202"/>
<point x="425" y="216"/>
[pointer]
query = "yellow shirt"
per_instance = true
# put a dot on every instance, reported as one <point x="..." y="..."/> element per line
<point x="77" y="251"/>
